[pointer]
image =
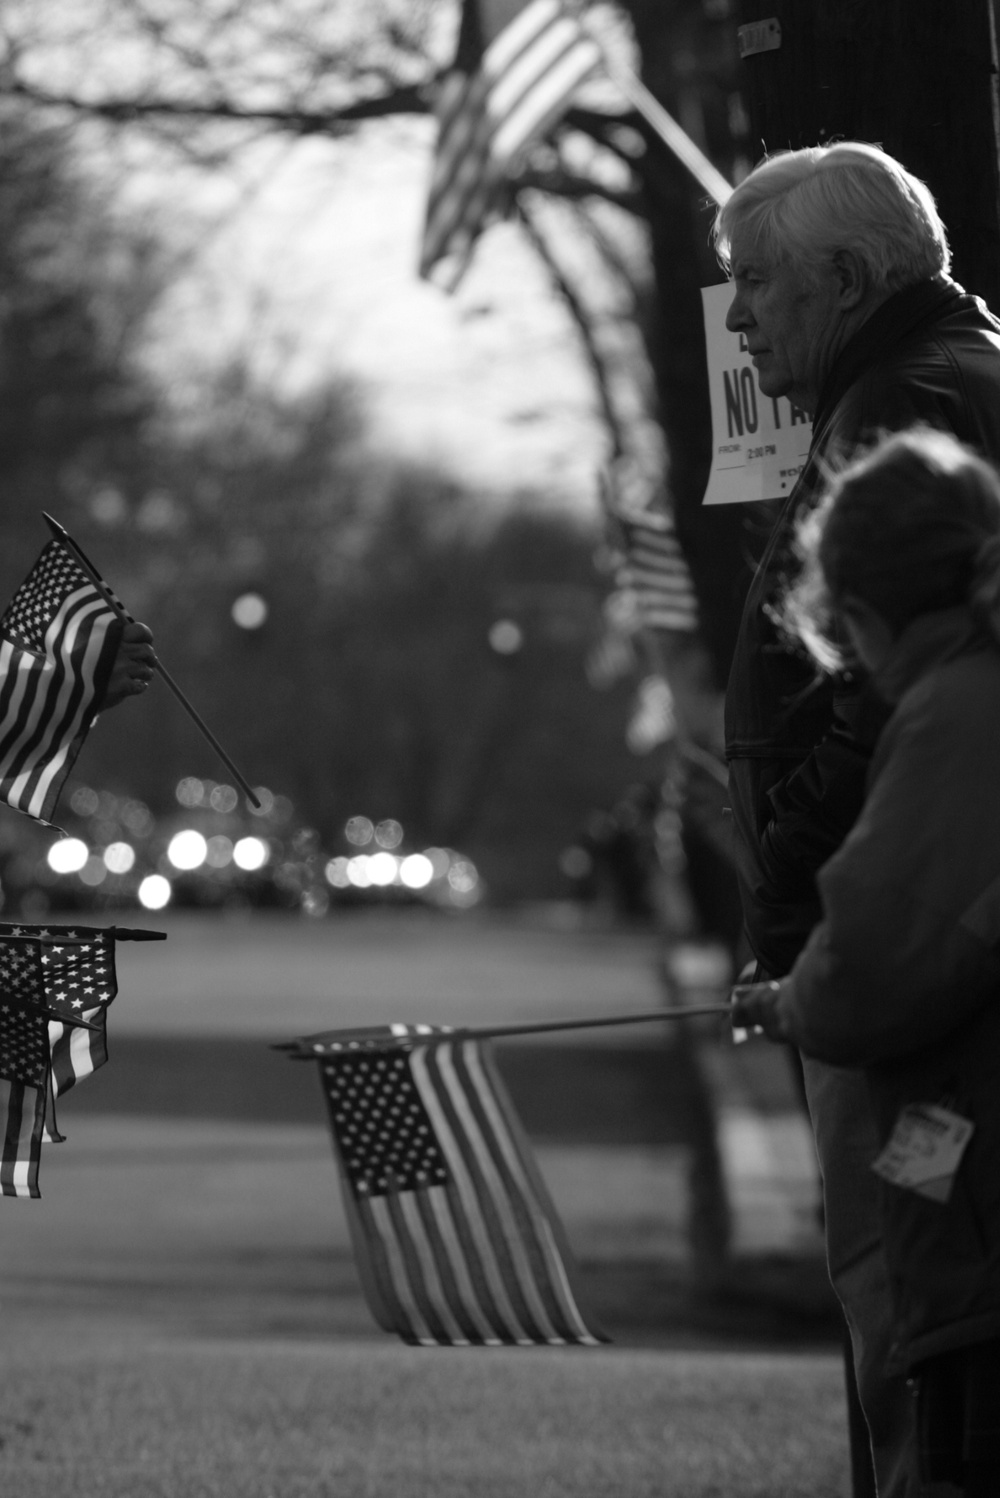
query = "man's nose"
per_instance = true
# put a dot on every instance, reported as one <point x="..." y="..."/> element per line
<point x="737" y="317"/>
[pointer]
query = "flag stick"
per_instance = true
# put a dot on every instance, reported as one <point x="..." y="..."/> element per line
<point x="542" y="1027"/>
<point x="673" y="136"/>
<point x="303" y="1049"/>
<point x="61" y="534"/>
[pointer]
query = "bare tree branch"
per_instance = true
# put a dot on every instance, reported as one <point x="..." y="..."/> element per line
<point x="404" y="100"/>
<point x="563" y="183"/>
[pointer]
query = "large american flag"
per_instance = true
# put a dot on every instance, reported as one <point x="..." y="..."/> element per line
<point x="58" y="641"/>
<point x="456" y="1239"/>
<point x="517" y="66"/>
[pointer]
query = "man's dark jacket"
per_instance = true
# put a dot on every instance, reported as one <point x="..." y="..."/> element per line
<point x="798" y="744"/>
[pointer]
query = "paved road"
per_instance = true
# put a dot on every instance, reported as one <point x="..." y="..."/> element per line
<point x="274" y="975"/>
<point x="181" y="1316"/>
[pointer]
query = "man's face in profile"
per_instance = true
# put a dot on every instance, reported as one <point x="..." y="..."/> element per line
<point x="789" y="320"/>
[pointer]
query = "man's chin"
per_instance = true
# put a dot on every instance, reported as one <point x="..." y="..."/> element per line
<point x="770" y="383"/>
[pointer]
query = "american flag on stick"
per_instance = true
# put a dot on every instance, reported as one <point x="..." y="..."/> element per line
<point x="24" y="1064"/>
<point x="79" y="978"/>
<point x="58" y="641"/>
<point x="517" y="66"/>
<point x="456" y="1239"/>
<point x="55" y="987"/>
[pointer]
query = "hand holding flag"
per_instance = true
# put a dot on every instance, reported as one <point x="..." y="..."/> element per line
<point x="133" y="666"/>
<point x="59" y="638"/>
<point x="455" y="1236"/>
<point x="137" y="659"/>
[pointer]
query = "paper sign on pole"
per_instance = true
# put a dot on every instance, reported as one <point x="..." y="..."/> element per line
<point x="759" y="443"/>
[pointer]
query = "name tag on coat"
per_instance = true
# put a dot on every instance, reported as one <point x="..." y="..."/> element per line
<point x="925" y="1150"/>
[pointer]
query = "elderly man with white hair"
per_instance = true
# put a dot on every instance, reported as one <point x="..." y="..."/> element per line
<point x="839" y="263"/>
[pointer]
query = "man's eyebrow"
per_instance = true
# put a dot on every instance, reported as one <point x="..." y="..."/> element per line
<point x="745" y="267"/>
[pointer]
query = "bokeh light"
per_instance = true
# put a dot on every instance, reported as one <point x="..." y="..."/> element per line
<point x="84" y="801"/>
<point x="266" y="799"/>
<point x="190" y="791"/>
<point x="219" y="852"/>
<point x="357" y="872"/>
<point x="250" y="853"/>
<point x="382" y="869"/>
<point x="314" y="902"/>
<point x="249" y="611"/>
<point x="440" y="861"/>
<point x="67" y="856"/>
<point x="506" y="637"/>
<point x="138" y="818"/>
<point x="154" y="892"/>
<point x="336" y="873"/>
<point x="359" y="831"/>
<point x="416" y="871"/>
<point x="223" y="798"/>
<point x="389" y="834"/>
<point x="463" y="881"/>
<point x="94" y="871"/>
<point x="187" y="849"/>
<point x="119" y="858"/>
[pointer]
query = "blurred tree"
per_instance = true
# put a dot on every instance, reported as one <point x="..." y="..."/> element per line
<point x="372" y="686"/>
<point x="75" y="285"/>
<point x="205" y="77"/>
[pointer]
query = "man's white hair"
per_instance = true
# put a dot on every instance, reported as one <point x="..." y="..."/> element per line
<point x="804" y="206"/>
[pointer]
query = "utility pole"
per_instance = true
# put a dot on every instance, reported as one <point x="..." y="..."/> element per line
<point x="917" y="77"/>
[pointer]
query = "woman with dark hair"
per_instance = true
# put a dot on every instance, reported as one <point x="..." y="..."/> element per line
<point x="901" y="578"/>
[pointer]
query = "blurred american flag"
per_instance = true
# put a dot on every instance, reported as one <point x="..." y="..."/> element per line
<point x="515" y="71"/>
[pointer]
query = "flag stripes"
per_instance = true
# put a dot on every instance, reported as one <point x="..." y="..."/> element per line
<point x="654" y="570"/>
<point x="23" y="1109"/>
<point x="59" y="640"/>
<point x="77" y="1053"/>
<point x="457" y="1240"/>
<point x="50" y="976"/>
<point x="494" y="103"/>
<point x="79" y="981"/>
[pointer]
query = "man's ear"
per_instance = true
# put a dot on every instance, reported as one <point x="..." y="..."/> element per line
<point x="852" y="278"/>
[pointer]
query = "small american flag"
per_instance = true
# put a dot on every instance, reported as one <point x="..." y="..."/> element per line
<point x="79" y="982"/>
<point x="24" y="1066"/>
<point x="654" y="570"/>
<point x="24" y="1030"/>
<point x="517" y="66"/>
<point x="456" y="1239"/>
<point x="58" y="641"/>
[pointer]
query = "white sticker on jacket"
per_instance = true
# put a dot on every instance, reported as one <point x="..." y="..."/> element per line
<point x="924" y="1150"/>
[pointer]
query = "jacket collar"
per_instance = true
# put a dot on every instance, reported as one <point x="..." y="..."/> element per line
<point x="888" y="325"/>
<point x="927" y="641"/>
